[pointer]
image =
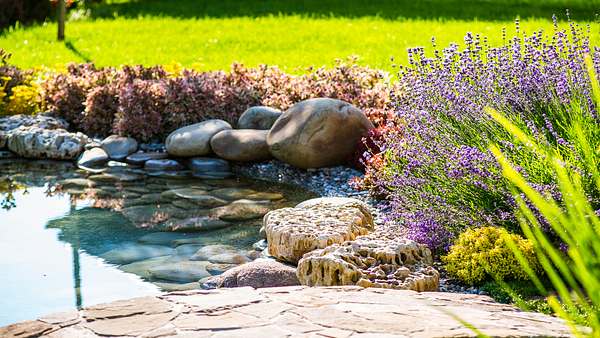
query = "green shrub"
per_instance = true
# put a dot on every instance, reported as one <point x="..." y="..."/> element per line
<point x="484" y="253"/>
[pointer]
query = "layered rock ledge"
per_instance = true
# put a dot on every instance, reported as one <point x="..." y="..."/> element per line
<point x="295" y="312"/>
<point x="371" y="261"/>
<point x="292" y="232"/>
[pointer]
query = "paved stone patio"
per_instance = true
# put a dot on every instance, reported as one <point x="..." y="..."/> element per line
<point x="294" y="312"/>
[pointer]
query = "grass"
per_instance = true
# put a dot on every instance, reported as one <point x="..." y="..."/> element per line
<point x="291" y="34"/>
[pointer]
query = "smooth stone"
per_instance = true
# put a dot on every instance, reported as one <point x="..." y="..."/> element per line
<point x="199" y="197"/>
<point x="260" y="273"/>
<point x="116" y="176"/>
<point x="318" y="133"/>
<point x="141" y="158"/>
<point x="232" y="194"/>
<point x="200" y="165"/>
<point x="92" y="157"/>
<point x="154" y="198"/>
<point x="163" y="165"/>
<point x="242" y="210"/>
<point x="162" y="238"/>
<point x="204" y="253"/>
<point x="229" y="258"/>
<point x="146" y="215"/>
<point x="261" y="196"/>
<point x="132" y="252"/>
<point x="201" y="223"/>
<point x="188" y="250"/>
<point x="141" y="268"/>
<point x="76" y="183"/>
<point x="259" y="117"/>
<point x="182" y="271"/>
<point x="219" y="268"/>
<point x="119" y="147"/>
<point x="194" y="140"/>
<point x="170" y="287"/>
<point x="241" y="145"/>
<point x="184" y="204"/>
<point x="216" y="175"/>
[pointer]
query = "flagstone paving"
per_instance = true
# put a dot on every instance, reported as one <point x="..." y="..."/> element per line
<point x="295" y="311"/>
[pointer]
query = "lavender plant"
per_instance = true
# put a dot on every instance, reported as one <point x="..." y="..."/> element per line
<point x="439" y="176"/>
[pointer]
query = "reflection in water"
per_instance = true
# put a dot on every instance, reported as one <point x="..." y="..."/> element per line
<point x="91" y="238"/>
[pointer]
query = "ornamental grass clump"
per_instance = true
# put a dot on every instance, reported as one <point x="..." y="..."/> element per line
<point x="573" y="269"/>
<point x="438" y="175"/>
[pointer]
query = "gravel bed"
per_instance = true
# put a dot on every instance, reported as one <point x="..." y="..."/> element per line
<point x="325" y="182"/>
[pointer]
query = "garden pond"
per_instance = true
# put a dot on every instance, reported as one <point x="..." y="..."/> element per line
<point x="71" y="238"/>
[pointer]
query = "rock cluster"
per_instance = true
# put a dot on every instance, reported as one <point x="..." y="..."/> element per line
<point x="36" y="142"/>
<point x="314" y="133"/>
<point x="333" y="242"/>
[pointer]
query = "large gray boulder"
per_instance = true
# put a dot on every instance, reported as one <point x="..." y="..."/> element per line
<point x="259" y="117"/>
<point x="35" y="142"/>
<point x="242" y="145"/>
<point x="119" y="147"/>
<point x="261" y="273"/>
<point x="317" y="133"/>
<point x="194" y="140"/>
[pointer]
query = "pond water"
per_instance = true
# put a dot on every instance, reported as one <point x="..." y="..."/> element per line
<point x="69" y="238"/>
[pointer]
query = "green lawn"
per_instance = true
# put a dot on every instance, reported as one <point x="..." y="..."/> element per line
<point x="212" y="34"/>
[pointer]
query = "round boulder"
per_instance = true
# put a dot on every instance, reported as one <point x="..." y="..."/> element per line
<point x="243" y="145"/>
<point x="119" y="147"/>
<point x="92" y="157"/>
<point x="317" y="133"/>
<point x="259" y="117"/>
<point x="261" y="273"/>
<point x="194" y="140"/>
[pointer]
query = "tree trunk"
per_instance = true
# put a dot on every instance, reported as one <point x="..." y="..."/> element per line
<point x="62" y="12"/>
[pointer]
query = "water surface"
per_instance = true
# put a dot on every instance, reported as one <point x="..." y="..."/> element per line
<point x="69" y="238"/>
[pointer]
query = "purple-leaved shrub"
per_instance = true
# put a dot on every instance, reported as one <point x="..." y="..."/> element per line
<point x="108" y="100"/>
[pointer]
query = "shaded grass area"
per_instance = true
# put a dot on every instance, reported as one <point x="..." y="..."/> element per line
<point x="490" y="10"/>
<point x="212" y="34"/>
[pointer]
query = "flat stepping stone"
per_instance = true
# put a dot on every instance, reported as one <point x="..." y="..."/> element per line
<point x="202" y="223"/>
<point x="141" y="268"/>
<point x="162" y="238"/>
<point x="341" y="311"/>
<point x="242" y="210"/>
<point x="132" y="252"/>
<point x="182" y="271"/>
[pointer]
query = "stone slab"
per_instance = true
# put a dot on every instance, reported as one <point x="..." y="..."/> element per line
<point x="297" y="311"/>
